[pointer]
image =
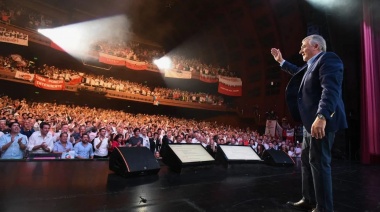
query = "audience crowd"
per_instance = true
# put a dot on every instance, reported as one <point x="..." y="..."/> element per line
<point x="84" y="132"/>
<point x="134" y="51"/>
<point x="16" y="62"/>
<point x="16" y="14"/>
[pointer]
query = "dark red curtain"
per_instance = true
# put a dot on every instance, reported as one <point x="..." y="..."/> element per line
<point x="370" y="83"/>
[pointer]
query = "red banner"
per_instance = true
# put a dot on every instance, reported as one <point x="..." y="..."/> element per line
<point x="111" y="60"/>
<point x="229" y="90"/>
<point x="55" y="46"/>
<point x="208" y="78"/>
<point x="136" y="65"/>
<point x="48" y="84"/>
<point x="76" y="79"/>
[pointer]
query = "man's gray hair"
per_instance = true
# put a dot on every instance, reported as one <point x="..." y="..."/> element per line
<point x="317" y="39"/>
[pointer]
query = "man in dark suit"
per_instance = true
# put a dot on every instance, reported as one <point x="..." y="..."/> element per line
<point x="314" y="96"/>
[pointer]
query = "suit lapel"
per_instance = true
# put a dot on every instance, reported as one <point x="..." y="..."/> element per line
<point x="310" y="69"/>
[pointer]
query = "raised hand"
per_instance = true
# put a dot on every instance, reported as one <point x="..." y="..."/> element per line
<point x="276" y="53"/>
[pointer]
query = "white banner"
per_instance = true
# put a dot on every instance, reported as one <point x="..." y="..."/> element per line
<point x="270" y="128"/>
<point x="178" y="74"/>
<point x="230" y="81"/>
<point x="10" y="36"/>
<point x="24" y="76"/>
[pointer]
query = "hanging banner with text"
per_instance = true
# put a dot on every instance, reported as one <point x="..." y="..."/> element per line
<point x="48" y="84"/>
<point x="111" y="60"/>
<point x="24" y="76"/>
<point x="172" y="73"/>
<point x="208" y="78"/>
<point x="270" y="127"/>
<point x="136" y="65"/>
<point x="11" y="36"/>
<point x="230" y="86"/>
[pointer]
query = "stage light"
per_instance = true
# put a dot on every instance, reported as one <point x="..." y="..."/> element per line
<point x="163" y="63"/>
<point x="77" y="39"/>
<point x="336" y="6"/>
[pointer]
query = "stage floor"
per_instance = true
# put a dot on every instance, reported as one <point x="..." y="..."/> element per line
<point x="90" y="186"/>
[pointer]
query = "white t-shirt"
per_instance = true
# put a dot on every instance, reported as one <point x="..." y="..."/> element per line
<point x="103" y="148"/>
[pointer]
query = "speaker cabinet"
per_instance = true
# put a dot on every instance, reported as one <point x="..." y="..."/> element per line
<point x="131" y="161"/>
<point x="179" y="156"/>
<point x="277" y="158"/>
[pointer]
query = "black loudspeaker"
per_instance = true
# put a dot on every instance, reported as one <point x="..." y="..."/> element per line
<point x="179" y="156"/>
<point x="131" y="161"/>
<point x="277" y="158"/>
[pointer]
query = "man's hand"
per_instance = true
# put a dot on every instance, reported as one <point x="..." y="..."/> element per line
<point x="277" y="55"/>
<point x="318" y="128"/>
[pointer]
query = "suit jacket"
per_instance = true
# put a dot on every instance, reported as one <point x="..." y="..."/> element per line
<point x="317" y="89"/>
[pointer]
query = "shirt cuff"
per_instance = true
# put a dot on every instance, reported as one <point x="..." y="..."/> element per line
<point x="282" y="63"/>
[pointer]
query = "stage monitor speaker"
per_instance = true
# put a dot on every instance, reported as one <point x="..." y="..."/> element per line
<point x="130" y="161"/>
<point x="178" y="156"/>
<point x="237" y="154"/>
<point x="277" y="158"/>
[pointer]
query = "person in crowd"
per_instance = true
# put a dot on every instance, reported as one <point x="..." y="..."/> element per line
<point x="298" y="150"/>
<point x="63" y="145"/>
<point x="157" y="155"/>
<point x="136" y="140"/>
<point x="314" y="96"/>
<point x="116" y="142"/>
<point x="284" y="149"/>
<point x="3" y="126"/>
<point x="260" y="150"/>
<point x="93" y="133"/>
<point x="291" y="152"/>
<point x="101" y="144"/>
<point x="253" y="143"/>
<point x="154" y="143"/>
<point x="13" y="144"/>
<point x="64" y="129"/>
<point x="83" y="149"/>
<point x="212" y="148"/>
<point x="145" y="138"/>
<point x="27" y="129"/>
<point x="270" y="146"/>
<point x="41" y="141"/>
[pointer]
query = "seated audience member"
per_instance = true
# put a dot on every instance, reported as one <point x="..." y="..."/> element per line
<point x="136" y="140"/>
<point x="27" y="129"/>
<point x="101" y="144"/>
<point x="83" y="149"/>
<point x="13" y="144"/>
<point x="62" y="145"/>
<point x="41" y="141"/>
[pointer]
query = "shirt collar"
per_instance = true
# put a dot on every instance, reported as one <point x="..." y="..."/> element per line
<point x="309" y="62"/>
